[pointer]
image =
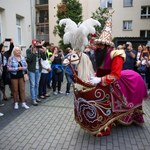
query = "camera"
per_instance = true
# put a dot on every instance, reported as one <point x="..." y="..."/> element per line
<point x="126" y="46"/>
<point x="8" y="39"/>
<point x="38" y="46"/>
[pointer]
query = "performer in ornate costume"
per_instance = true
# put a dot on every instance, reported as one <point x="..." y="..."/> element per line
<point x="112" y="95"/>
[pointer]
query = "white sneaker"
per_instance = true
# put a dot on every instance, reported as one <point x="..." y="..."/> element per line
<point x="55" y="93"/>
<point x="1" y="114"/>
<point x="25" y="106"/>
<point x="60" y="92"/>
<point x="67" y="93"/>
<point x="16" y="105"/>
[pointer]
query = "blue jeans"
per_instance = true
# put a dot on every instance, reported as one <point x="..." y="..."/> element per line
<point x="69" y="79"/>
<point x="34" y="78"/>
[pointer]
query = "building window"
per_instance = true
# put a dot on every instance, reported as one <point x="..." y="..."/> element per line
<point x="127" y="3"/>
<point x="18" y="27"/>
<point x="127" y="25"/>
<point x="42" y="16"/>
<point x="41" y="2"/>
<point x="145" y="33"/>
<point x="145" y="12"/>
<point x="106" y="3"/>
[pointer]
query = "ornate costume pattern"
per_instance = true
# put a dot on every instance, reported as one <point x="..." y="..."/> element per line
<point x="117" y="96"/>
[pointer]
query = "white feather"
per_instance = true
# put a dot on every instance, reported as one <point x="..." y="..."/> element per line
<point x="75" y="34"/>
<point x="66" y="38"/>
<point x="69" y="24"/>
<point x="89" y="24"/>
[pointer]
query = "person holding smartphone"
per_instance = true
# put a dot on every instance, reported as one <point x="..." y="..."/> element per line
<point x="143" y="64"/>
<point x="130" y="57"/>
<point x="5" y="55"/>
<point x="34" y="55"/>
<point x="57" y="70"/>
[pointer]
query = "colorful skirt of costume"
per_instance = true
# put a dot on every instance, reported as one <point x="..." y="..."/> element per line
<point x="98" y="108"/>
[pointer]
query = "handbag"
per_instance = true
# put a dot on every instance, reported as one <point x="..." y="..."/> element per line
<point x="142" y="68"/>
<point x="25" y="77"/>
<point x="58" y="70"/>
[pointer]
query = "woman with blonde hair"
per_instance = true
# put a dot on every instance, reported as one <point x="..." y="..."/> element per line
<point x="17" y="67"/>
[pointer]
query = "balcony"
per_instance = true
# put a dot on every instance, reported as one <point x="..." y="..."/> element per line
<point x="42" y="31"/>
<point x="42" y="16"/>
<point x="42" y="20"/>
<point x="41" y="4"/>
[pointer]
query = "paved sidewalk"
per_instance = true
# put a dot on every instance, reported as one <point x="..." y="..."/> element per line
<point x="51" y="126"/>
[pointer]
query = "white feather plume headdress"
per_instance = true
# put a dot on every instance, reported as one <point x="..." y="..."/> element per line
<point x="77" y="35"/>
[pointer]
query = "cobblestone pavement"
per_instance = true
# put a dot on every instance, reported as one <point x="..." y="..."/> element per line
<point x="51" y="126"/>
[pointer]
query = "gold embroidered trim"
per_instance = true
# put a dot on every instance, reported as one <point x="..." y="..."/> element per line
<point x="115" y="53"/>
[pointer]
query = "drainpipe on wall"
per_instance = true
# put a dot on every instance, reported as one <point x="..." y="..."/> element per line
<point x="32" y="18"/>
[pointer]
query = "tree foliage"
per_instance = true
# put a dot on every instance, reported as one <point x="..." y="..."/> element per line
<point x="73" y="9"/>
<point x="101" y="14"/>
<point x="67" y="9"/>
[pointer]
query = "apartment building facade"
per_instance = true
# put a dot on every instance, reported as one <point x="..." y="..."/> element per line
<point x="131" y="18"/>
<point x="25" y="20"/>
<point x="15" y="22"/>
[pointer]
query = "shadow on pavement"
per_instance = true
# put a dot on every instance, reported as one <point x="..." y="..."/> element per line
<point x="9" y="113"/>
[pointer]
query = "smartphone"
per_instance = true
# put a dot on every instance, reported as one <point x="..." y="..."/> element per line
<point x="8" y="39"/>
<point x="145" y="54"/>
<point x="38" y="46"/>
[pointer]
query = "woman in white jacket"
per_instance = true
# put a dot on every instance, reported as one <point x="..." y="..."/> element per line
<point x="46" y="68"/>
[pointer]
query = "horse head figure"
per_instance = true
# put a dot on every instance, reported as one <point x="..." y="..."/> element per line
<point x="84" y="69"/>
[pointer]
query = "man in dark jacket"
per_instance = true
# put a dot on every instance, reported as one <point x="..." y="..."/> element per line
<point x="130" y="57"/>
<point x="34" y="55"/>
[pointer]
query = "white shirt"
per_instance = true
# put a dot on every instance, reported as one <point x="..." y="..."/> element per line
<point x="45" y="65"/>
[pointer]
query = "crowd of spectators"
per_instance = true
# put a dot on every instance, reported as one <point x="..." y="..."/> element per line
<point x="136" y="59"/>
<point x="44" y="68"/>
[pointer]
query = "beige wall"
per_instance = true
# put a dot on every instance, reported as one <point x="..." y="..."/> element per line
<point x="89" y="6"/>
<point x="52" y="20"/>
<point x="129" y="13"/>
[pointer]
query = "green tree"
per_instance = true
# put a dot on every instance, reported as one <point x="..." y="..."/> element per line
<point x="67" y="9"/>
<point x="101" y="14"/>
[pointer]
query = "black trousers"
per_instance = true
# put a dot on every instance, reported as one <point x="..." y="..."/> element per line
<point x="56" y="81"/>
